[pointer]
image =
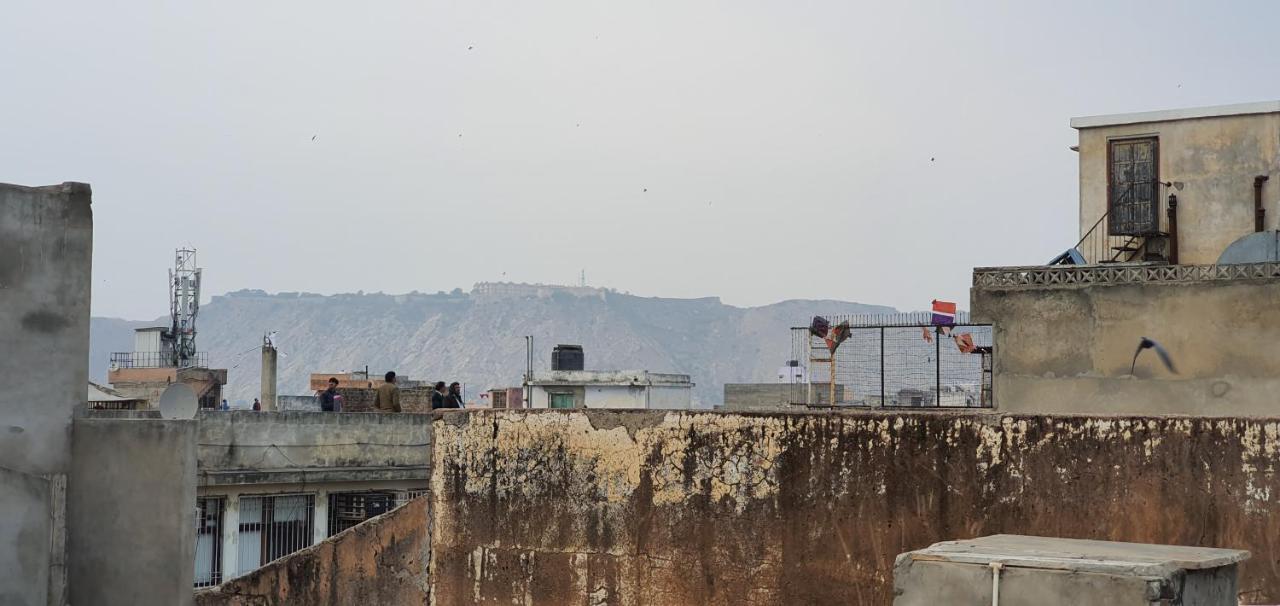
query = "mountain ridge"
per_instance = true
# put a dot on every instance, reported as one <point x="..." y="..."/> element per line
<point x="477" y="337"/>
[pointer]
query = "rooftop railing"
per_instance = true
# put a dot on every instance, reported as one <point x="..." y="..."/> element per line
<point x="158" y="359"/>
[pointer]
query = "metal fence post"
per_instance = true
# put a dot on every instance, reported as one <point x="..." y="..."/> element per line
<point x="881" y="367"/>
<point x="937" y="369"/>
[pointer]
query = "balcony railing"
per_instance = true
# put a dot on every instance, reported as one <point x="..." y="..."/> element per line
<point x="1123" y="239"/>
<point x="158" y="359"/>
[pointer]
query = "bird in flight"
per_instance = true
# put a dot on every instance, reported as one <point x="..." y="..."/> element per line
<point x="313" y="137"/>
<point x="1146" y="343"/>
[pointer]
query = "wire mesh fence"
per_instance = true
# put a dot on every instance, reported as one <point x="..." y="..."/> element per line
<point x="896" y="360"/>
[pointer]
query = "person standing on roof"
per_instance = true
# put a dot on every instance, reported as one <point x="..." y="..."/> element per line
<point x="329" y="396"/>
<point x="437" y="396"/>
<point x="387" y="396"/>
<point x="454" y="399"/>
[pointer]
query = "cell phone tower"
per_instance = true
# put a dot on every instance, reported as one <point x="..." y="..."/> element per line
<point x="184" y="304"/>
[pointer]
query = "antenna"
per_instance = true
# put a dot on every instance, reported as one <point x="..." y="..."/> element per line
<point x="184" y="304"/>
<point x="582" y="280"/>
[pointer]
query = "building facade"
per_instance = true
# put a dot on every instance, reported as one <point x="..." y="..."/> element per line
<point x="608" y="389"/>
<point x="1163" y="195"/>
<point x="271" y="483"/>
<point x="1216" y="162"/>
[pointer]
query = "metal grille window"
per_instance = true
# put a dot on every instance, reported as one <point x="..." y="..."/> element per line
<point x="346" y="509"/>
<point x="272" y="527"/>
<point x="1131" y="197"/>
<point x="404" y="496"/>
<point x="208" y="541"/>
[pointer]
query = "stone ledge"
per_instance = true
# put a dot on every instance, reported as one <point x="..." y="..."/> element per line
<point x="1090" y="275"/>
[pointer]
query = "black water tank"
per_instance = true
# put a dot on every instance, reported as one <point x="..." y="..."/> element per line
<point x="567" y="357"/>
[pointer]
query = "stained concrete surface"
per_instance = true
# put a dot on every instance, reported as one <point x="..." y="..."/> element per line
<point x="131" y="512"/>
<point x="46" y="242"/>
<point x="663" y="507"/>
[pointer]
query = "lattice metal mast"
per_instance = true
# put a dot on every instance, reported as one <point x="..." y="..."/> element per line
<point x="184" y="304"/>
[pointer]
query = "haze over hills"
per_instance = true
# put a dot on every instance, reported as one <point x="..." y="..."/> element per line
<point x="477" y="337"/>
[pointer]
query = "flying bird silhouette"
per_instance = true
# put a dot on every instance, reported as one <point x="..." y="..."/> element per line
<point x="1146" y="343"/>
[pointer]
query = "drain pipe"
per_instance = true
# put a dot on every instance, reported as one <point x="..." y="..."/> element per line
<point x="1258" y="211"/>
<point x="995" y="582"/>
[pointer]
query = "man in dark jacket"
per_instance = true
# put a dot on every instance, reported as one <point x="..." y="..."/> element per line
<point x="454" y="399"/>
<point x="437" y="396"/>
<point x="327" y="396"/>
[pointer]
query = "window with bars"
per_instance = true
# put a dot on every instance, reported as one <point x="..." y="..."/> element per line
<point x="346" y="509"/>
<point x="272" y="527"/>
<point x="209" y="541"/>
<point x="1132" y="194"/>
<point x="404" y="496"/>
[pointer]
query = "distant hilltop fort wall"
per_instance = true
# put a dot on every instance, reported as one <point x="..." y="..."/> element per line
<point x="505" y="290"/>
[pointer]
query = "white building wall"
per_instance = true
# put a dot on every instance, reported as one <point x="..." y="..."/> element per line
<point x="616" y="396"/>
<point x="670" y="397"/>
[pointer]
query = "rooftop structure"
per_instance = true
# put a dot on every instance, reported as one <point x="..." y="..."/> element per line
<point x="105" y="398"/>
<point x="1163" y="197"/>
<point x="608" y="389"/>
<point x="1176" y="186"/>
<point x="273" y="483"/>
<point x="163" y="355"/>
<point x="1012" y="569"/>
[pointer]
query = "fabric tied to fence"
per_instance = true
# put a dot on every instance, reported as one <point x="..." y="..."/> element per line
<point x="944" y="313"/>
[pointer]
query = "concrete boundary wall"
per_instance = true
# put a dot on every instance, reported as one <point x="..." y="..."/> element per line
<point x="131" y="512"/>
<point x="666" y="507"/>
<point x="1069" y="348"/>
<point x="46" y="245"/>
<point x="239" y="447"/>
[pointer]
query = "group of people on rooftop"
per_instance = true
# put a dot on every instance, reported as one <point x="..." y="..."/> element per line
<point x="386" y="397"/>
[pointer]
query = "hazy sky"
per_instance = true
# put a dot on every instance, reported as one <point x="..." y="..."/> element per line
<point x="874" y="152"/>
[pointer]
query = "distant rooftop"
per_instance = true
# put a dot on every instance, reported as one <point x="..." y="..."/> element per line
<point x="608" y="377"/>
<point x="1166" y="115"/>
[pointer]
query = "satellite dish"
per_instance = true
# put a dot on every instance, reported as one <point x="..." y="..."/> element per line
<point x="178" y="402"/>
<point x="1260" y="247"/>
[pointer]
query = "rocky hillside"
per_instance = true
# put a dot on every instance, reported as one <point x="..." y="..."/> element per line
<point x="478" y="339"/>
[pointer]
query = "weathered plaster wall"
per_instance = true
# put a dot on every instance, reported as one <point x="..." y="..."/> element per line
<point x="649" y="507"/>
<point x="46" y="242"/>
<point x="238" y="447"/>
<point x="131" y="512"/>
<point x="1068" y="348"/>
<point x="382" y="561"/>
<point x="1216" y="159"/>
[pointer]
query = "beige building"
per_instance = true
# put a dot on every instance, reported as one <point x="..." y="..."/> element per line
<point x="1217" y="162"/>
<point x="1162" y="196"/>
